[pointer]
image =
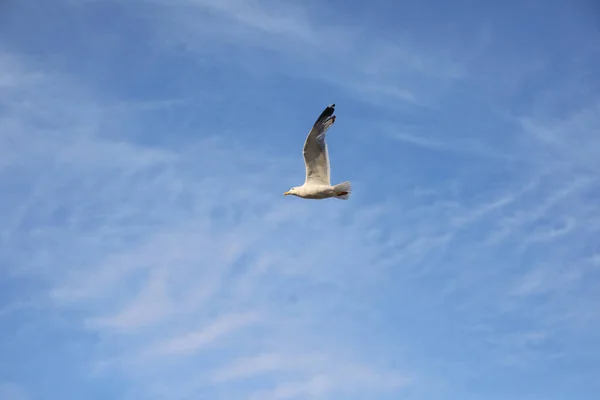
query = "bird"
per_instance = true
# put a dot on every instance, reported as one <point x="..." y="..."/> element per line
<point x="317" y="184"/>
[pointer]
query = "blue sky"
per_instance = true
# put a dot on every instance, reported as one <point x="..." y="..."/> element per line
<point x="147" y="252"/>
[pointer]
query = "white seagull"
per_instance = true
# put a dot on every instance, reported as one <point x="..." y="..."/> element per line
<point x="316" y="159"/>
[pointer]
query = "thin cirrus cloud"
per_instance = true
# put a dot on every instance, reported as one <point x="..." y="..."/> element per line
<point x="146" y="245"/>
<point x="367" y="67"/>
<point x="91" y="258"/>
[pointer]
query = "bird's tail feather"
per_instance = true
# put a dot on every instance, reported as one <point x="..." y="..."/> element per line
<point x="343" y="190"/>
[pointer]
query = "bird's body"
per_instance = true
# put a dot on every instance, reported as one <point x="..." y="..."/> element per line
<point x="316" y="159"/>
<point x="314" y="191"/>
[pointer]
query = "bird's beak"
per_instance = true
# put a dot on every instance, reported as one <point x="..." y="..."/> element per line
<point x="286" y="193"/>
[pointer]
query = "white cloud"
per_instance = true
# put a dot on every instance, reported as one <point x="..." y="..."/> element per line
<point x="308" y="43"/>
<point x="246" y="367"/>
<point x="152" y="303"/>
<point x="193" y="272"/>
<point x="164" y="258"/>
<point x="192" y="341"/>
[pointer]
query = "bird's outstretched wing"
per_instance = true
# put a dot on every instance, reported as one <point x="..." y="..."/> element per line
<point x="316" y="157"/>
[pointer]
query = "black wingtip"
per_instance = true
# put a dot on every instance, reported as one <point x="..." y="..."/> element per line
<point x="327" y="112"/>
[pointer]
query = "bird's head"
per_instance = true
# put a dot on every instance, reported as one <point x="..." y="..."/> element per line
<point x="292" y="191"/>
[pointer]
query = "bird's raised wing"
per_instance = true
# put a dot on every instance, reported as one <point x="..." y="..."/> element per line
<point x="316" y="157"/>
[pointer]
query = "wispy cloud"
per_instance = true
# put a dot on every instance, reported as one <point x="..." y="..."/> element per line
<point x="568" y="141"/>
<point x="146" y="245"/>
<point x="190" y="342"/>
<point x="309" y="43"/>
<point x="176" y="260"/>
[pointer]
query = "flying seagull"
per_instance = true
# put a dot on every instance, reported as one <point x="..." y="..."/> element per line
<point x="316" y="159"/>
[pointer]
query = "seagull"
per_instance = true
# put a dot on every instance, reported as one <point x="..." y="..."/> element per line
<point x="316" y="159"/>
